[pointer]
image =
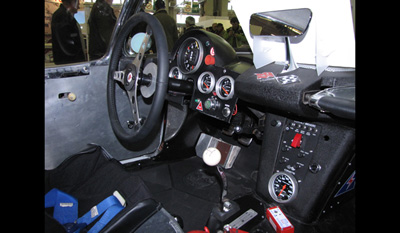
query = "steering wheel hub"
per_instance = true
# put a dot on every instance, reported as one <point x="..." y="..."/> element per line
<point x="130" y="77"/>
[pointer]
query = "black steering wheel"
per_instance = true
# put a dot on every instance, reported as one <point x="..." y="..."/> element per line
<point x="131" y="78"/>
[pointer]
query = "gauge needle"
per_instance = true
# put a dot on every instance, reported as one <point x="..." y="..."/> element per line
<point x="206" y="85"/>
<point x="225" y="90"/>
<point x="282" y="190"/>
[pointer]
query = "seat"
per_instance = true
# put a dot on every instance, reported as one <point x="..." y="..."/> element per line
<point x="92" y="175"/>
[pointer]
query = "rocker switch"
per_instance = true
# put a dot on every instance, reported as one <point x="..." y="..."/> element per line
<point x="296" y="140"/>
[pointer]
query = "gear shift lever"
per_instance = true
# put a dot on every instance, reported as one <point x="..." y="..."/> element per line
<point x="211" y="157"/>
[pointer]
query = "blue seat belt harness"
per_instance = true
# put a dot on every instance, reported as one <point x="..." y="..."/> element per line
<point x="66" y="211"/>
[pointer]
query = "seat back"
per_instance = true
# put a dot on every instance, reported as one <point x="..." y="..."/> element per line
<point x="90" y="176"/>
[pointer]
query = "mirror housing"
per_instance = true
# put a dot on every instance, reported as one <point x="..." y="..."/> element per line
<point x="284" y="23"/>
<point x="290" y="24"/>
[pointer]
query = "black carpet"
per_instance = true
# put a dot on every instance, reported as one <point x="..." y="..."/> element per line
<point x="189" y="189"/>
<point x="186" y="188"/>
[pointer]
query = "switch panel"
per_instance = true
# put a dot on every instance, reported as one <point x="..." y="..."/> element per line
<point x="297" y="147"/>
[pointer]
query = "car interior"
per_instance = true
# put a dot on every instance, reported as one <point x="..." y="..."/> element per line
<point x="198" y="139"/>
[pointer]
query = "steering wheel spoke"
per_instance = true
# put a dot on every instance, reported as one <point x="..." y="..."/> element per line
<point x="132" y="94"/>
<point x="140" y="55"/>
<point x="119" y="76"/>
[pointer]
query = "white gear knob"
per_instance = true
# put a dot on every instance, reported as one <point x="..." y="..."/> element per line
<point x="211" y="156"/>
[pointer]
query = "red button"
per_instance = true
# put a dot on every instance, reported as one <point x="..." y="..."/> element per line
<point x="296" y="140"/>
<point x="210" y="60"/>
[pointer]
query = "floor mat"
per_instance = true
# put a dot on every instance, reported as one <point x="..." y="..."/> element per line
<point x="184" y="189"/>
<point x="190" y="189"/>
<point x="194" y="177"/>
<point x="193" y="211"/>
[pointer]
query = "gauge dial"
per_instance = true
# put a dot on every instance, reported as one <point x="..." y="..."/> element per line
<point x="175" y="73"/>
<point x="206" y="82"/>
<point x="282" y="187"/>
<point x="225" y="87"/>
<point x="190" y="55"/>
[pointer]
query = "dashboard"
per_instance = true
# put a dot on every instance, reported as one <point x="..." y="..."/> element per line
<point x="211" y="64"/>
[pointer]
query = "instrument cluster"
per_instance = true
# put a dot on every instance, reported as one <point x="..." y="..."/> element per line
<point x="213" y="92"/>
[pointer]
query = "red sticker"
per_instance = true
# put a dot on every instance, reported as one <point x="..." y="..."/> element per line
<point x="265" y="75"/>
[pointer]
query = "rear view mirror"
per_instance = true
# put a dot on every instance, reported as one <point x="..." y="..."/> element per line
<point x="289" y="24"/>
<point x="286" y="23"/>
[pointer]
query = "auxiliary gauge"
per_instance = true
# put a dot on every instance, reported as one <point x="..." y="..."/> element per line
<point x="175" y="73"/>
<point x="225" y="87"/>
<point x="206" y="82"/>
<point x="282" y="187"/>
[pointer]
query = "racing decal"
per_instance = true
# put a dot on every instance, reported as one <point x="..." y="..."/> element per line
<point x="200" y="106"/>
<point x="129" y="77"/>
<point x="265" y="76"/>
<point x="348" y="186"/>
<point x="288" y="79"/>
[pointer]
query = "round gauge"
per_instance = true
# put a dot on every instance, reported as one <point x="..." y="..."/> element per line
<point x="190" y="55"/>
<point x="225" y="87"/>
<point x="282" y="187"/>
<point x="206" y="82"/>
<point x="175" y="73"/>
<point x="132" y="44"/>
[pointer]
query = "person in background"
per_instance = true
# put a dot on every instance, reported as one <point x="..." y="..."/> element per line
<point x="191" y="24"/>
<point x="235" y="35"/>
<point x="220" y="31"/>
<point x="101" y="25"/>
<point x="67" y="40"/>
<point x="167" y="22"/>
<point x="213" y="28"/>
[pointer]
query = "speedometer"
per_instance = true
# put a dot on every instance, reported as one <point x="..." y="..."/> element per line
<point x="190" y="55"/>
<point x="282" y="187"/>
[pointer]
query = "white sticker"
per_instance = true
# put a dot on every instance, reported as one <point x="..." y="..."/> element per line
<point x="93" y="212"/>
<point x="63" y="204"/>
<point x="280" y="218"/>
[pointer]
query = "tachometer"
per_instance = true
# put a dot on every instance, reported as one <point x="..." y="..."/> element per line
<point x="225" y="87"/>
<point x="282" y="187"/>
<point x="190" y="55"/>
<point x="206" y="82"/>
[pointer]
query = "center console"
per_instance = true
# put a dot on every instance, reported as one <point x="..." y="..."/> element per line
<point x="304" y="165"/>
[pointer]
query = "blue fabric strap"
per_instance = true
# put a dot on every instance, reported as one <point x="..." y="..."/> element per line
<point x="109" y="206"/>
<point x="66" y="211"/>
<point x="107" y="216"/>
<point x="65" y="206"/>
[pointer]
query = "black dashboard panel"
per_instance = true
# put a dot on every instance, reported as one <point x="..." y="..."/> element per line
<point x="210" y="102"/>
<point x="309" y="152"/>
<point x="285" y="92"/>
<point x="281" y="92"/>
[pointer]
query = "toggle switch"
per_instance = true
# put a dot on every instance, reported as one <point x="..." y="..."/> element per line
<point x="296" y="140"/>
